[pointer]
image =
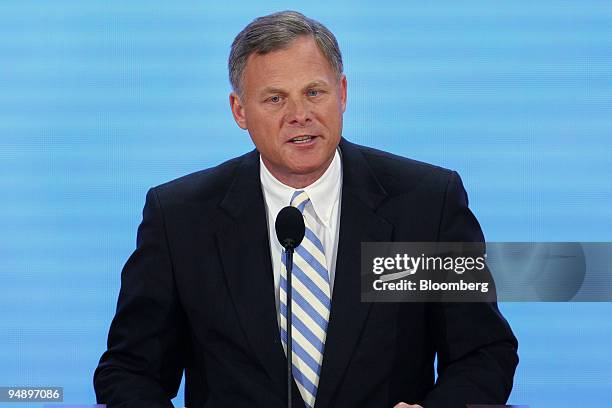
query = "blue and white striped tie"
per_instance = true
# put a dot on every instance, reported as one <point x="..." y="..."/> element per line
<point x="311" y="303"/>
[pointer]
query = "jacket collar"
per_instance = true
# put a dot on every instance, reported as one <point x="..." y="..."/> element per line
<point x="358" y="179"/>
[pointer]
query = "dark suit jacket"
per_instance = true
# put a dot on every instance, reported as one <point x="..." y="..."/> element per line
<point x="197" y="294"/>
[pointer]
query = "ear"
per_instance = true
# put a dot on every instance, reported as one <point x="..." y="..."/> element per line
<point x="343" y="92"/>
<point x="237" y="110"/>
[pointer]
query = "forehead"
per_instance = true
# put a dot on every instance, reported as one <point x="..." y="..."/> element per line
<point x="301" y="62"/>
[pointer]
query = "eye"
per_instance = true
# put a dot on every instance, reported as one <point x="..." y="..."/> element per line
<point x="313" y="92"/>
<point x="274" y="99"/>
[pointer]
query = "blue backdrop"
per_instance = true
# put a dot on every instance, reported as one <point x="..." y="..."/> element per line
<point x="101" y="100"/>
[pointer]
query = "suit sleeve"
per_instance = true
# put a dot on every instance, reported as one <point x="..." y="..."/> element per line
<point x="144" y="361"/>
<point x="476" y="349"/>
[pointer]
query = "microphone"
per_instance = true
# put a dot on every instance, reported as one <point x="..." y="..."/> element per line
<point x="290" y="230"/>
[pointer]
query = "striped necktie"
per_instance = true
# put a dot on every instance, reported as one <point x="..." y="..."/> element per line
<point x="311" y="303"/>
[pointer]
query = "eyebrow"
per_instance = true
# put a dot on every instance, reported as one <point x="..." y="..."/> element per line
<point x="273" y="90"/>
<point x="316" y="83"/>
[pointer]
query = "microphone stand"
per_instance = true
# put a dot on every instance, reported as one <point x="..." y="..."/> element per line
<point x="290" y="230"/>
<point x="289" y="264"/>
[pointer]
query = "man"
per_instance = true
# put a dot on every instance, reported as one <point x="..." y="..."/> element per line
<point x="205" y="290"/>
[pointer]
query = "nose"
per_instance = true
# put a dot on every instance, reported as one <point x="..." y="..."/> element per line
<point x="298" y="113"/>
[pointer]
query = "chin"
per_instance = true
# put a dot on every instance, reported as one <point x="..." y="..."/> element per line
<point x="307" y="169"/>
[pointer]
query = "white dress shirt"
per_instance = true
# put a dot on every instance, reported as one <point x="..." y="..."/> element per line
<point x="322" y="213"/>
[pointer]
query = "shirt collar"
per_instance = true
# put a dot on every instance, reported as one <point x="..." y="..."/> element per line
<point x="323" y="193"/>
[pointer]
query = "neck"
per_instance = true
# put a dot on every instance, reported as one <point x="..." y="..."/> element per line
<point x="297" y="180"/>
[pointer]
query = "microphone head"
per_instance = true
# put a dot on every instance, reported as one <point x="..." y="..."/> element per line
<point x="290" y="227"/>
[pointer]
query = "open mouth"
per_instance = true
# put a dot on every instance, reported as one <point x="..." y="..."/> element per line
<point x="302" y="139"/>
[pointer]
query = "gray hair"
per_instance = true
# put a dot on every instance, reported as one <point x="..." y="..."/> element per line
<point x="277" y="31"/>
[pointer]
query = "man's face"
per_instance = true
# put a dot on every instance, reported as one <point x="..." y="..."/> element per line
<point x="292" y="105"/>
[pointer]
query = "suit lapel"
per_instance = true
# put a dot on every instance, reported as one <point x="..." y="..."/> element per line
<point x="245" y="253"/>
<point x="361" y="195"/>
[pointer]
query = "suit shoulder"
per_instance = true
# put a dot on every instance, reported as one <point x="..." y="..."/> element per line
<point x="203" y="184"/>
<point x="398" y="173"/>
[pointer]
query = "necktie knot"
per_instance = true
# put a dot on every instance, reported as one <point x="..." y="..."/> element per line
<point x="299" y="200"/>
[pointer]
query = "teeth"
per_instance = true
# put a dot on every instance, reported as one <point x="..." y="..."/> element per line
<point x="301" y="139"/>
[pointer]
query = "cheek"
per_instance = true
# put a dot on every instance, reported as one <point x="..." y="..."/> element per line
<point x="266" y="130"/>
<point x="267" y="120"/>
<point x="333" y="123"/>
<point x="258" y="121"/>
